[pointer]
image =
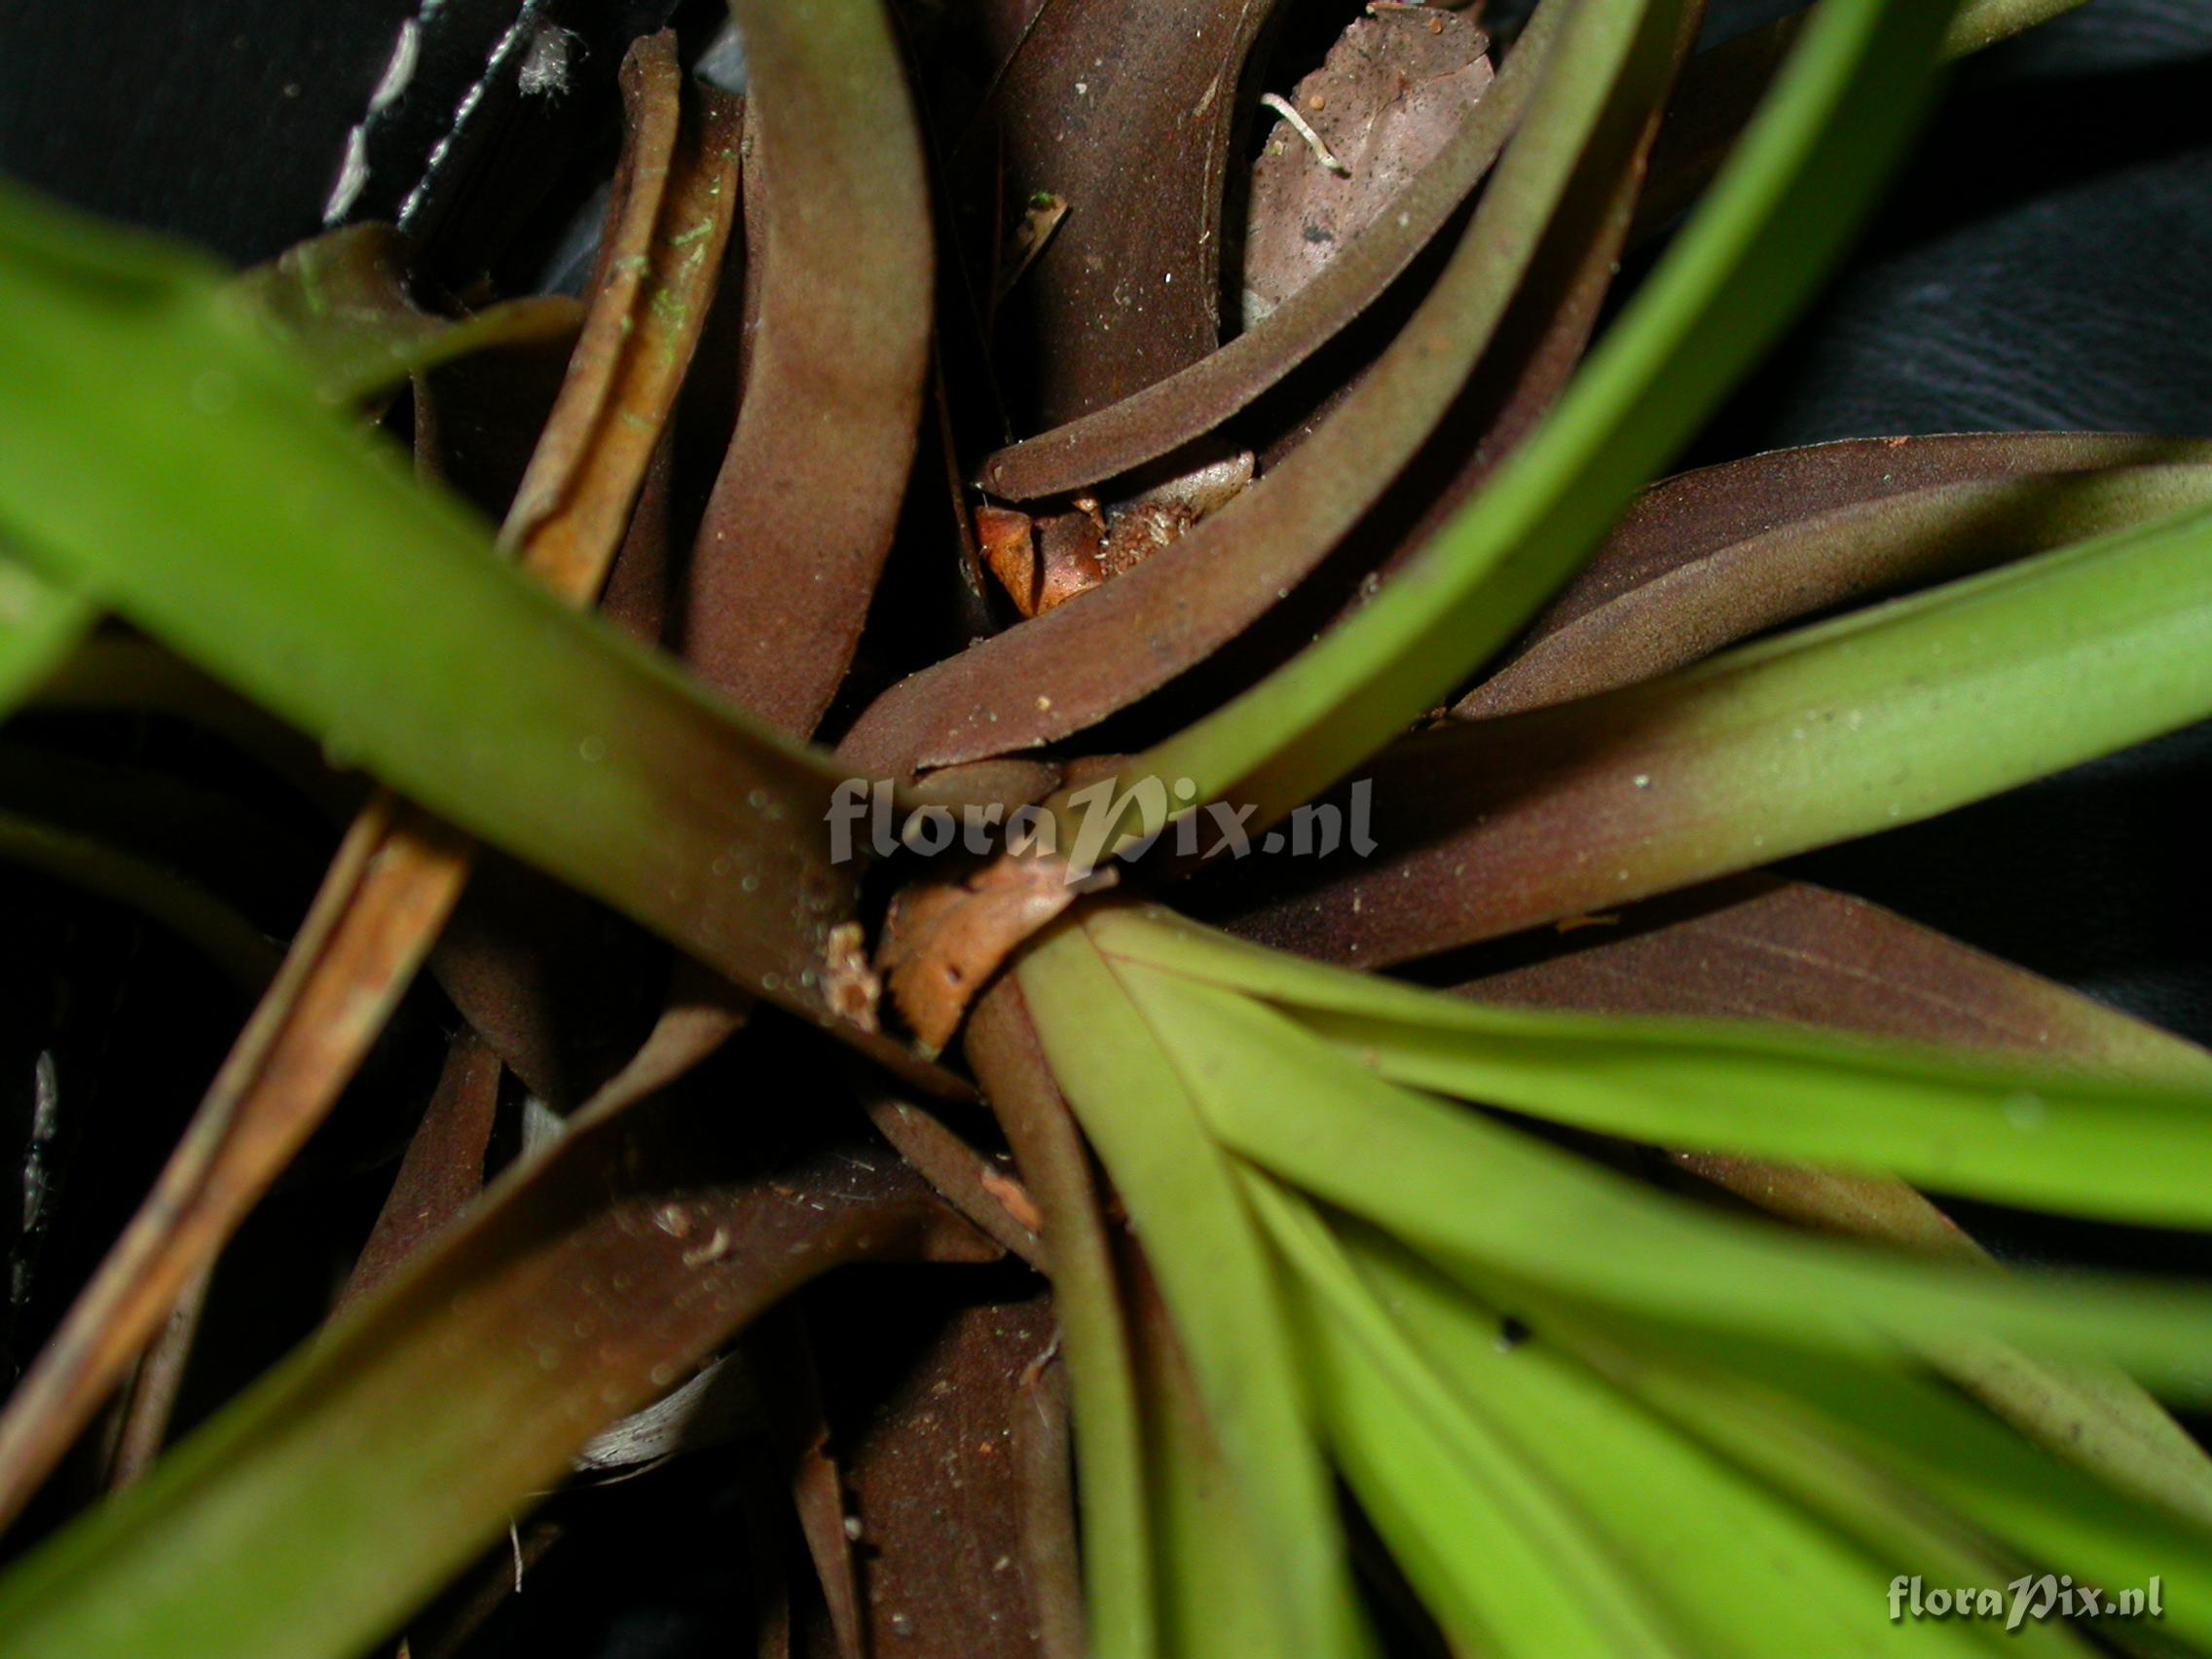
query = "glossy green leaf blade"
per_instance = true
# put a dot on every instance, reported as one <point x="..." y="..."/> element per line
<point x="1805" y="175"/>
<point x="1464" y="1189"/>
<point x="2058" y="1139"/>
<point x="1504" y="1559"/>
<point x="40" y="625"/>
<point x="1213" y="1270"/>
<point x="249" y="528"/>
<point x="1751" y="1564"/>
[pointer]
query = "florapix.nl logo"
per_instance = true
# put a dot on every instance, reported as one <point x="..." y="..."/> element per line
<point x="1086" y="826"/>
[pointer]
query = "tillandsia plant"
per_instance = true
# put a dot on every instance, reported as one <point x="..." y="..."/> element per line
<point x="1040" y="595"/>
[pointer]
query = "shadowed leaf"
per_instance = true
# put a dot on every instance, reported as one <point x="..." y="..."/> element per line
<point x="801" y="514"/>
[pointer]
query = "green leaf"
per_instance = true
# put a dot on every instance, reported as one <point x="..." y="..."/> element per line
<point x="1919" y="1435"/>
<point x="1214" y="1275"/>
<point x="1118" y="1546"/>
<point x="1504" y="1559"/>
<point x="1711" y="1526"/>
<point x="1470" y="1192"/>
<point x="251" y="528"/>
<point x="338" y="1492"/>
<point x="1781" y="213"/>
<point x="40" y="625"/>
<point x="2062" y="1140"/>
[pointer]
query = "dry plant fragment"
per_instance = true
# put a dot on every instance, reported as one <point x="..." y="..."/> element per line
<point x="1383" y="104"/>
<point x="1043" y="562"/>
<point x="943" y="941"/>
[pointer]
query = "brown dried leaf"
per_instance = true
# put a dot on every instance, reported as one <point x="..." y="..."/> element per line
<point x="1386" y="102"/>
<point x="931" y="1411"/>
<point x="442" y="1171"/>
<point x="965" y="1178"/>
<point x="1069" y="668"/>
<point x="943" y="941"/>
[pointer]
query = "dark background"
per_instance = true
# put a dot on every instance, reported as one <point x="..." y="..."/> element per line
<point x="2043" y="265"/>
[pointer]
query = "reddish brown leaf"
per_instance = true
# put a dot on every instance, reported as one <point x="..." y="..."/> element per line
<point x="795" y="531"/>
<point x="927" y="1408"/>
<point x="1714" y="555"/>
<point x="965" y="1178"/>
<point x="1070" y="667"/>
<point x="1753" y="947"/>
<point x="1125" y="110"/>
<point x="1384" y="105"/>
<point x="442" y="1171"/>
<point x="1183" y="406"/>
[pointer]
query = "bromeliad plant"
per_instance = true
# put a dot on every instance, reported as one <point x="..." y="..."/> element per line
<point x="1339" y="1226"/>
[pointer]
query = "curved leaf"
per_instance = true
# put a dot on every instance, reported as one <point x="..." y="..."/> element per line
<point x="1214" y="1275"/>
<point x="1886" y="716"/>
<point x="1280" y="1096"/>
<point x="1192" y="401"/>
<point x="802" y="511"/>
<point x="590" y="1281"/>
<point x="1750" y="258"/>
<point x="1704" y="561"/>
<point x="334" y="592"/>
<point x="1070" y="667"/>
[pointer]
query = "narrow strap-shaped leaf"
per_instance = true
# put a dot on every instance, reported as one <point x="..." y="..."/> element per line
<point x="1596" y="91"/>
<point x="1923" y="1436"/>
<point x="801" y="514"/>
<point x="591" y="1280"/>
<point x="1213" y="1272"/>
<point x="1697" y="1494"/>
<point x="1464" y="1189"/>
<point x="1498" y="1552"/>
<point x="1753" y="254"/>
<point x="2061" y="1140"/>
<point x="337" y="593"/>
<point x="1878" y="719"/>
<point x="399" y="871"/>
<point x="1192" y="401"/>
<point x="1761" y="950"/>
<point x="1125" y="109"/>
<point x="1217" y="1594"/>
<point x="1660" y="595"/>
<point x="1122" y="1613"/>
